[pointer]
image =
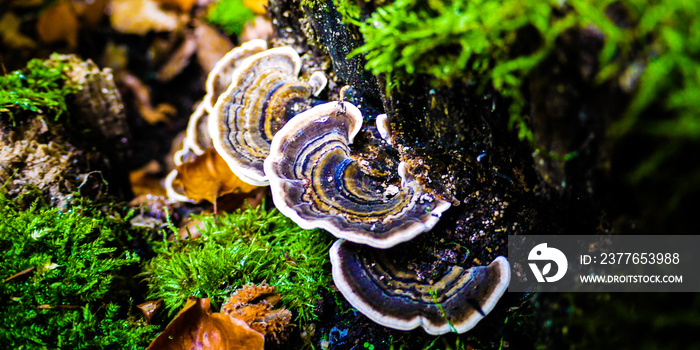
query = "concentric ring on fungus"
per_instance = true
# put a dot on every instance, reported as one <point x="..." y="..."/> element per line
<point x="257" y="104"/>
<point x="393" y="297"/>
<point x="219" y="79"/>
<point x="315" y="182"/>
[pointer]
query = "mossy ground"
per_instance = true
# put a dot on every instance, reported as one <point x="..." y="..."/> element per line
<point x="86" y="276"/>
<point x="79" y="292"/>
<point x="248" y="246"/>
<point x="498" y="43"/>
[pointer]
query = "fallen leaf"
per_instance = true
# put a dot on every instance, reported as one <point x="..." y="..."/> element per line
<point x="178" y="60"/>
<point x="145" y="181"/>
<point x="142" y="94"/>
<point x="254" y="304"/>
<point x="182" y="5"/>
<point x="258" y="28"/>
<point x="142" y="16"/>
<point x="150" y="308"/>
<point x="195" y="327"/>
<point x="257" y="6"/>
<point x="91" y="12"/>
<point x="59" y="23"/>
<point x="11" y="36"/>
<point x="208" y="177"/>
<point x="212" y="45"/>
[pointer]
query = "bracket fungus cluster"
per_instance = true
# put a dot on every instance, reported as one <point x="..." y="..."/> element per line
<point x="197" y="138"/>
<point x="248" y="114"/>
<point x="269" y="129"/>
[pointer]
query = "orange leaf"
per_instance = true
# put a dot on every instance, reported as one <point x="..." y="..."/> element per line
<point x="58" y="23"/>
<point x="254" y="304"/>
<point x="182" y="5"/>
<point x="208" y="177"/>
<point x="257" y="6"/>
<point x="144" y="180"/>
<point x="150" y="308"/>
<point x="195" y="327"/>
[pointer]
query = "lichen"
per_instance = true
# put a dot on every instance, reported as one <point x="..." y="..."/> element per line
<point x="66" y="280"/>
<point x="248" y="246"/>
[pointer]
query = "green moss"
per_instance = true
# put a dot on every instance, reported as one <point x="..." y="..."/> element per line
<point x="478" y="41"/>
<point x="229" y="15"/>
<point x="76" y="296"/>
<point x="671" y="77"/>
<point x="249" y="246"/>
<point x="672" y="74"/>
<point x="460" y="39"/>
<point x="39" y="88"/>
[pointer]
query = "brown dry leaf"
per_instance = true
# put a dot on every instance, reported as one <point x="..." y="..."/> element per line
<point x="249" y="293"/>
<point x="208" y="177"/>
<point x="195" y="327"/>
<point x="59" y="23"/>
<point x="257" y="6"/>
<point x="145" y="181"/>
<point x="258" y="28"/>
<point x="142" y="16"/>
<point x="182" y="5"/>
<point x="10" y="34"/>
<point x="90" y="12"/>
<point x="191" y="229"/>
<point x="150" y="308"/>
<point x="254" y="305"/>
<point x="178" y="60"/>
<point x="160" y="113"/>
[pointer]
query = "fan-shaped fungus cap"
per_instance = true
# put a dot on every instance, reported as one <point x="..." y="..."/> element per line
<point x="315" y="182"/>
<point x="197" y="137"/>
<point x="219" y="79"/>
<point x="395" y="298"/>
<point x="255" y="106"/>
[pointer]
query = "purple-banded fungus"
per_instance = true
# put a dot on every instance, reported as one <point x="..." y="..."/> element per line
<point x="197" y="137"/>
<point x="219" y="79"/>
<point x="395" y="298"/>
<point x="315" y="182"/>
<point x="264" y="93"/>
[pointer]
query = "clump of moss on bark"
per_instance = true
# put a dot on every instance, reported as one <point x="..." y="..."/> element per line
<point x="67" y="278"/>
<point x="39" y="88"/>
<point x="482" y="41"/>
